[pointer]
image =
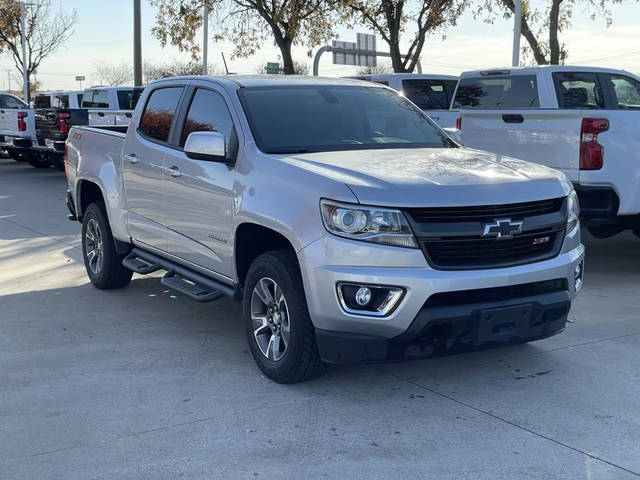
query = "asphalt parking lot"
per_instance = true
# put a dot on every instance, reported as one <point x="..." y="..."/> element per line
<point x="141" y="383"/>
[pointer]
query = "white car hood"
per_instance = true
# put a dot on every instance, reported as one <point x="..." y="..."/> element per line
<point x="435" y="176"/>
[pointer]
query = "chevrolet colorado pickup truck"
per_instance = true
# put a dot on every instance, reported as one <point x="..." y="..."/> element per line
<point x="351" y="227"/>
<point x="580" y="120"/>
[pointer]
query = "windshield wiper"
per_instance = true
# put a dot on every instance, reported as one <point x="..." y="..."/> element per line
<point x="293" y="150"/>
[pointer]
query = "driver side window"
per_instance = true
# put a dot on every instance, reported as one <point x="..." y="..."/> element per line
<point x="209" y="113"/>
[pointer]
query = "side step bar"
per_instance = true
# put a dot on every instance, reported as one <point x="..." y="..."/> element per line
<point x="187" y="282"/>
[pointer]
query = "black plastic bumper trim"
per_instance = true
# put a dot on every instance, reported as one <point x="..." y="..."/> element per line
<point x="448" y="330"/>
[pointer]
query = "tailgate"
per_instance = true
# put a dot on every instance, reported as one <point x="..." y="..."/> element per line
<point x="547" y="137"/>
<point x="47" y="122"/>
<point x="8" y="121"/>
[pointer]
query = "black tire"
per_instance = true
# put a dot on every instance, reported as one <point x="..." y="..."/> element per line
<point x="17" y="155"/>
<point x="109" y="272"/>
<point x="604" y="231"/>
<point x="37" y="159"/>
<point x="57" y="160"/>
<point x="300" y="360"/>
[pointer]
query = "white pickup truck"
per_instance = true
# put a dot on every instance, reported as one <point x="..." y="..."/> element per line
<point x="431" y="93"/>
<point x="17" y="126"/>
<point x="582" y="121"/>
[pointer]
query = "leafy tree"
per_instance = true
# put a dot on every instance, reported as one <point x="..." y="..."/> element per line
<point x="247" y="23"/>
<point x="541" y="27"/>
<point x="46" y="31"/>
<point x="391" y="18"/>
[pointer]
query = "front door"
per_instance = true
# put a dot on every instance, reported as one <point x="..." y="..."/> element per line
<point x="199" y="193"/>
<point x="145" y="152"/>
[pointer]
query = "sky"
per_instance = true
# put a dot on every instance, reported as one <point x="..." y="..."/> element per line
<point x="105" y="30"/>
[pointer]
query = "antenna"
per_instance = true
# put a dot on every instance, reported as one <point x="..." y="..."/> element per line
<point x="225" y="63"/>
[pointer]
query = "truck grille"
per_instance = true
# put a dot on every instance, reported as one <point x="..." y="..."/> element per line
<point x="456" y="238"/>
<point x="478" y="252"/>
<point x="488" y="212"/>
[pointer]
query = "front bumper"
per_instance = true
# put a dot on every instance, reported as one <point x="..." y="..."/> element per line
<point x="331" y="260"/>
<point x="454" y="329"/>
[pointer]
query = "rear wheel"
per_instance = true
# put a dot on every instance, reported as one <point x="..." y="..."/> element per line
<point x="57" y="159"/>
<point x="279" y="330"/>
<point x="101" y="260"/>
<point x="37" y="159"/>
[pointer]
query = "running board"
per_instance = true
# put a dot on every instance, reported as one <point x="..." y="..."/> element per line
<point x="181" y="279"/>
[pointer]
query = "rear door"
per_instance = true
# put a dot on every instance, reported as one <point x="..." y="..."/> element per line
<point x="143" y="165"/>
<point x="501" y="114"/>
<point x="621" y="142"/>
<point x="199" y="200"/>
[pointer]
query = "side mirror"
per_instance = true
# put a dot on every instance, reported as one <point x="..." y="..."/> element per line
<point x="206" y="146"/>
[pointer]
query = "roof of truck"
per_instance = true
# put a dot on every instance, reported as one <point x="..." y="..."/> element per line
<point x="274" y="80"/>
<point x="532" y="69"/>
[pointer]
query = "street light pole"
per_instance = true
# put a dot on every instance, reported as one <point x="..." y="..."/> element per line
<point x="517" y="29"/>
<point x="137" y="45"/>
<point x="205" y="36"/>
<point x="25" y="72"/>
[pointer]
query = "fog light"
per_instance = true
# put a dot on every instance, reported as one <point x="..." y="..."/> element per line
<point x="373" y="300"/>
<point x="577" y="276"/>
<point x="363" y="296"/>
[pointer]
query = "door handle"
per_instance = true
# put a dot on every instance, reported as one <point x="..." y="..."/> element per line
<point x="173" y="171"/>
<point x="512" y="118"/>
<point x="133" y="159"/>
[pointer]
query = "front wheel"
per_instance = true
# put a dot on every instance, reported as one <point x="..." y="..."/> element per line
<point x="102" y="262"/>
<point x="279" y="330"/>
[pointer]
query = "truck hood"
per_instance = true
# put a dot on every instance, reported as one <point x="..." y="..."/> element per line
<point x="435" y="176"/>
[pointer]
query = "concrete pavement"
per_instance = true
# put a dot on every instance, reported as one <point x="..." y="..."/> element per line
<point x="141" y="383"/>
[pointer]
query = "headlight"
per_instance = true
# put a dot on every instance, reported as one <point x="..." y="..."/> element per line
<point x="369" y="224"/>
<point x="574" y="211"/>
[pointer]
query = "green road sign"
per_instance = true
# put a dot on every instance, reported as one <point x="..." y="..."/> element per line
<point x="273" y="68"/>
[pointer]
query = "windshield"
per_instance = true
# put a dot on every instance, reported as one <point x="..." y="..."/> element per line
<point x="321" y="118"/>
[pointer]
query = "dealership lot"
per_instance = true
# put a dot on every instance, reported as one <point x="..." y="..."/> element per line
<point x="142" y="383"/>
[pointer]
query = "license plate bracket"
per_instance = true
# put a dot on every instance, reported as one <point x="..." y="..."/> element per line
<point x="504" y="324"/>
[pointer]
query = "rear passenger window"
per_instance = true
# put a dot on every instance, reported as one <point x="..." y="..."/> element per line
<point x="627" y="92"/>
<point x="209" y="113"/>
<point x="495" y="93"/>
<point x="95" y="99"/>
<point x="42" y="101"/>
<point x="576" y="90"/>
<point x="159" y="113"/>
<point x="429" y="94"/>
<point x="61" y="101"/>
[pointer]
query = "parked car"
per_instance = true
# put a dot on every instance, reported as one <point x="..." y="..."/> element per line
<point x="582" y="121"/>
<point x="17" y="126"/>
<point x="432" y="93"/>
<point x="351" y="228"/>
<point x="100" y="106"/>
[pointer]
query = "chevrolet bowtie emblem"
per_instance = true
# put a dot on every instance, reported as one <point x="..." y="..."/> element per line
<point x="503" y="228"/>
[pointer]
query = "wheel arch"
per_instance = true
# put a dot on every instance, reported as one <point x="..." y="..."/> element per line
<point x="251" y="241"/>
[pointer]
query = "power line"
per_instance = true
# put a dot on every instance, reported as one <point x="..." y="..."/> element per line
<point x="633" y="53"/>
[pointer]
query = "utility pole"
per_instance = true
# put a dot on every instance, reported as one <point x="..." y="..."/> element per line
<point x="25" y="67"/>
<point x="9" y="78"/>
<point x="517" y="29"/>
<point x="205" y="36"/>
<point x="137" y="44"/>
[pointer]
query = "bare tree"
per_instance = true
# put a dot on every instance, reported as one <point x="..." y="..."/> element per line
<point x="112" y="74"/>
<point x="391" y="18"/>
<point x="46" y="31"/>
<point x="153" y="71"/>
<point x="379" y="68"/>
<point x="541" y="27"/>
<point x="299" y="68"/>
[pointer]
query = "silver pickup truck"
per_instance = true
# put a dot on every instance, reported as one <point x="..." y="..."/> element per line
<point x="351" y="227"/>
